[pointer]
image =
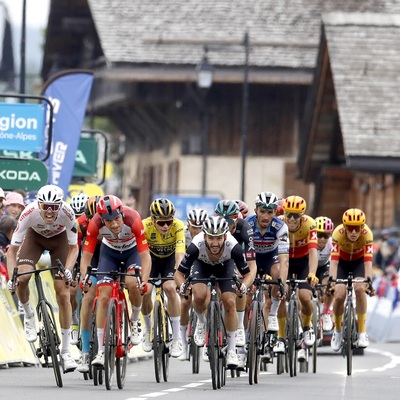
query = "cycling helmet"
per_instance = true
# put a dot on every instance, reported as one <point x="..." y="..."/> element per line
<point x="294" y="204"/>
<point x="354" y="217"/>
<point x="243" y="208"/>
<point x="162" y="208"/>
<point x="50" y="194"/>
<point x="91" y="206"/>
<point x="227" y="209"/>
<point x="109" y="207"/>
<point x="215" y="226"/>
<point x="324" y="224"/>
<point x="78" y="203"/>
<point x="266" y="200"/>
<point x="279" y="209"/>
<point x="196" y="217"/>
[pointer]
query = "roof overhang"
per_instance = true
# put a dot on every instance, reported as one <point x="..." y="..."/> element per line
<point x="374" y="164"/>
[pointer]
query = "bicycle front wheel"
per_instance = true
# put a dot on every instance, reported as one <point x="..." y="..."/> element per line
<point x="166" y="341"/>
<point x="50" y="340"/>
<point x="213" y="345"/>
<point x="194" y="350"/>
<point x="121" y="361"/>
<point x="157" y="340"/>
<point x="255" y="342"/>
<point x="349" y="318"/>
<point x="110" y="344"/>
<point x="292" y="334"/>
<point x="317" y="330"/>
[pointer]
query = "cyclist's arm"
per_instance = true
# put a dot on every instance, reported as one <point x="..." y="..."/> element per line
<point x="312" y="261"/>
<point x="146" y="264"/>
<point x="12" y="258"/>
<point x="86" y="259"/>
<point x="283" y="266"/>
<point x="368" y="269"/>
<point x="72" y="256"/>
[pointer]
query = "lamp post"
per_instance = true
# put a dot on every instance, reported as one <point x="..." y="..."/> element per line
<point x="205" y="73"/>
<point x="245" y="115"/>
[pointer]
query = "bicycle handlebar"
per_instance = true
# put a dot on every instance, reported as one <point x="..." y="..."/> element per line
<point x="349" y="283"/>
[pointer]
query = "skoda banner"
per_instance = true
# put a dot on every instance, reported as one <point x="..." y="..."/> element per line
<point x="69" y="93"/>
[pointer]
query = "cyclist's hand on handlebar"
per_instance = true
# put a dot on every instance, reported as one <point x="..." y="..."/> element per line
<point x="68" y="275"/>
<point x="143" y="288"/>
<point x="85" y="286"/>
<point x="183" y="289"/>
<point x="243" y="289"/>
<point x="370" y="290"/>
<point x="11" y="285"/>
<point x="312" y="279"/>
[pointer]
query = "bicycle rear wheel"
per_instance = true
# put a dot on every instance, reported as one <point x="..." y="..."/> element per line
<point x="213" y="345"/>
<point x="194" y="350"/>
<point x="121" y="361"/>
<point x="255" y="342"/>
<point x="110" y="344"/>
<point x="94" y="373"/>
<point x="157" y="340"/>
<point x="292" y="334"/>
<point x="50" y="340"/>
<point x="349" y="323"/>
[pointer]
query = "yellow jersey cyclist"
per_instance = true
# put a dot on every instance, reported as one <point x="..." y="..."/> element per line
<point x="166" y="238"/>
<point x="352" y="251"/>
<point x="195" y="219"/>
<point x="325" y="228"/>
<point x="303" y="261"/>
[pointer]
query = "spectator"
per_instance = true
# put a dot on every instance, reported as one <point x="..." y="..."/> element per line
<point x="2" y="205"/>
<point x="7" y="227"/>
<point x="14" y="204"/>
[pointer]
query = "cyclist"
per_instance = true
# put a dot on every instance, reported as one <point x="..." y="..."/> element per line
<point x="166" y="237"/>
<point x="123" y="241"/>
<point x="87" y="300"/>
<point x="46" y="224"/>
<point x="303" y="261"/>
<point x="195" y="219"/>
<point x="272" y="248"/>
<point x="215" y="251"/>
<point x="243" y="233"/>
<point x="324" y="231"/>
<point x="243" y="208"/>
<point x="352" y="251"/>
<point x="77" y="203"/>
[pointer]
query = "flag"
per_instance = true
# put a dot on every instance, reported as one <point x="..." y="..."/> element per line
<point x="69" y="93"/>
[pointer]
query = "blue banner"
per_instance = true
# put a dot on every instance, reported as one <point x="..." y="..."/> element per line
<point x="69" y="93"/>
<point x="21" y="126"/>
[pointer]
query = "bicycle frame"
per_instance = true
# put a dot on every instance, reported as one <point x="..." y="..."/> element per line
<point x="49" y="339"/>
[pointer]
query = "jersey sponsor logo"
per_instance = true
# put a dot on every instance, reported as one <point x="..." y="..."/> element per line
<point x="314" y="235"/>
<point x="334" y="247"/>
<point x="283" y="238"/>
<point x="370" y="249"/>
<point x="25" y="214"/>
<point x="276" y="224"/>
<point x="301" y="243"/>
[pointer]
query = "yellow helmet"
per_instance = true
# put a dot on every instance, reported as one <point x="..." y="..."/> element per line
<point x="324" y="224"/>
<point x="354" y="217"/>
<point x="294" y="204"/>
<point x="162" y="208"/>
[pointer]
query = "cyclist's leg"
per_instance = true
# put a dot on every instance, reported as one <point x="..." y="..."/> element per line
<point x="338" y="307"/>
<point x="361" y="304"/>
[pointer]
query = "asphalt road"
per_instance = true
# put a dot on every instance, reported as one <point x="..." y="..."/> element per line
<point x="376" y="375"/>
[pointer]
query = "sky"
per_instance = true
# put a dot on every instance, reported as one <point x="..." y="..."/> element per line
<point x="37" y="12"/>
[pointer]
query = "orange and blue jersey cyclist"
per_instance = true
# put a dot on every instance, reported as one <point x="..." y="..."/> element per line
<point x="352" y="252"/>
<point x="303" y="260"/>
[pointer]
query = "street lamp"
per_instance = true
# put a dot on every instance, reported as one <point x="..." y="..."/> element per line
<point x="205" y="73"/>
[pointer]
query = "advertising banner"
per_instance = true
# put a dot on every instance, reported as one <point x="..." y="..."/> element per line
<point x="21" y="126"/>
<point x="69" y="92"/>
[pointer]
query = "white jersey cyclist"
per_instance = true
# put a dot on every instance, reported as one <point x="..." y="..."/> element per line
<point x="324" y="255"/>
<point x="31" y="218"/>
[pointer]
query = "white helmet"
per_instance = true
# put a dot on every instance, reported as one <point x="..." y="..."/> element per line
<point x="50" y="194"/>
<point x="78" y="203"/>
<point x="215" y="226"/>
<point x="196" y="217"/>
<point x="267" y="200"/>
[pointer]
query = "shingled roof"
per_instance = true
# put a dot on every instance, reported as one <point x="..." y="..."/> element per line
<point x="283" y="34"/>
<point x="364" y="53"/>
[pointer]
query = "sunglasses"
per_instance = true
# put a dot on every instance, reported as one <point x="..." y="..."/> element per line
<point x="293" y="215"/>
<point x="52" y="207"/>
<point x="355" y="228"/>
<point x="323" y="235"/>
<point x="162" y="223"/>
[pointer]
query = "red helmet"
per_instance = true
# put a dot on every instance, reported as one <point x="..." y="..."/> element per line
<point x="279" y="209"/>
<point x="109" y="207"/>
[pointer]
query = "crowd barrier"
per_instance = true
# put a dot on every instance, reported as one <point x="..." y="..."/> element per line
<point x="14" y="349"/>
<point x="383" y="318"/>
